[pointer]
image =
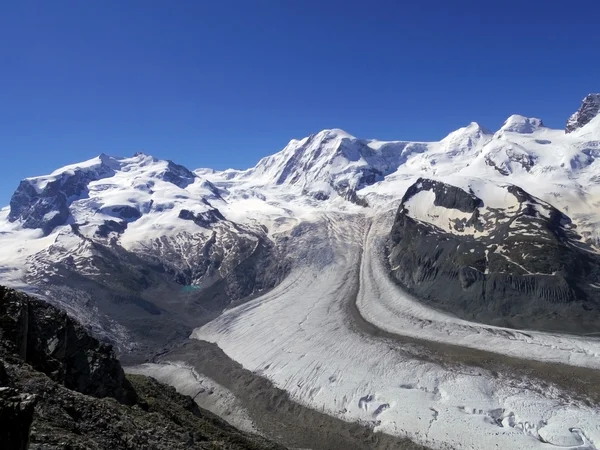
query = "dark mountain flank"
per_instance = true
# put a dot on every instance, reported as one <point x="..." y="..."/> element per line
<point x="522" y="267"/>
<point x="61" y="388"/>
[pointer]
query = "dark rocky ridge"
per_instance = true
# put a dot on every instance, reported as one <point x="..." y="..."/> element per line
<point x="46" y="371"/>
<point x="204" y="219"/>
<point x="540" y="277"/>
<point x="53" y="343"/>
<point x="178" y="175"/>
<point x="590" y="108"/>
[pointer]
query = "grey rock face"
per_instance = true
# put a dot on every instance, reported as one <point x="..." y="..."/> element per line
<point x="446" y="195"/>
<point x="590" y="107"/>
<point x="40" y="411"/>
<point x="521" y="268"/>
<point x="204" y="219"/>
<point x="178" y="175"/>
<point x="49" y="207"/>
<point x="111" y="226"/>
<point x="53" y="343"/>
<point x="16" y="415"/>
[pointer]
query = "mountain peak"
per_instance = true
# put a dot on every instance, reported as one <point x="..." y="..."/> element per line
<point x="589" y="109"/>
<point x="334" y="133"/>
<point x="470" y="130"/>
<point x="521" y="124"/>
<point x="44" y="202"/>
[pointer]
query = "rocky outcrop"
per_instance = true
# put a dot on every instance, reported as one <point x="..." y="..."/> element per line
<point x="16" y="415"/>
<point x="53" y="343"/>
<point x="46" y="205"/>
<point x="44" y="381"/>
<point x="522" y="267"/>
<point x="111" y="226"/>
<point x="178" y="175"/>
<point x="446" y="195"/>
<point x="203" y="219"/>
<point x="590" y="108"/>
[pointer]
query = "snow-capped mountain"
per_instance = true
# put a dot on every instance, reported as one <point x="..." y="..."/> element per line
<point x="107" y="192"/>
<point x="590" y="107"/>
<point x="197" y="231"/>
<point x="123" y="240"/>
<point x="288" y="265"/>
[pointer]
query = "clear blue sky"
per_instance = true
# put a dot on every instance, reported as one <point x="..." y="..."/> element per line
<point x="223" y="83"/>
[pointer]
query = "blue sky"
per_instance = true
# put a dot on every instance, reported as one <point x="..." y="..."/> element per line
<point x="222" y="83"/>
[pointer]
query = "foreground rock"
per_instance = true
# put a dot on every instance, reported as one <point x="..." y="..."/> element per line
<point x="65" y="390"/>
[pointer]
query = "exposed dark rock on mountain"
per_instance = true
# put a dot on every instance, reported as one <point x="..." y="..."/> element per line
<point x="142" y="301"/>
<point x="53" y="343"/>
<point x="125" y="212"/>
<point x="16" y="415"/>
<point x="111" y="226"/>
<point x="46" y="206"/>
<point x="204" y="219"/>
<point x="590" y="108"/>
<point x="178" y="175"/>
<point x="521" y="268"/>
<point x="445" y="195"/>
<point x="47" y="362"/>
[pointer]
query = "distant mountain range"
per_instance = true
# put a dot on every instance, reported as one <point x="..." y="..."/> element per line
<point x="496" y="226"/>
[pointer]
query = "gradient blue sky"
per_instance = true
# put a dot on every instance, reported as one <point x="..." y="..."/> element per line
<point x="222" y="83"/>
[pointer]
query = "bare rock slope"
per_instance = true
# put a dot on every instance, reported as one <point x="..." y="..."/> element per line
<point x="60" y="388"/>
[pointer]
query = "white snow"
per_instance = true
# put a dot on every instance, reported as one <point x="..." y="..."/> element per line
<point x="521" y="124"/>
<point x="421" y="207"/>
